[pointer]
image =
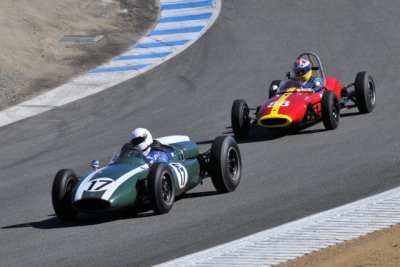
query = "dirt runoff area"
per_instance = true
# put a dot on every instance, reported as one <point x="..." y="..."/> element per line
<point x="32" y="58"/>
<point x="381" y="248"/>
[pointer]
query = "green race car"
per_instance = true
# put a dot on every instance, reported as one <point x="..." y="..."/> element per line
<point x="129" y="181"/>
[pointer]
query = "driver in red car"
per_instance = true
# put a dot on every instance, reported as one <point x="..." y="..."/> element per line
<point x="302" y="73"/>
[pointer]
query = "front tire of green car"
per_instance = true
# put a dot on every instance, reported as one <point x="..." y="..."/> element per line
<point x="161" y="188"/>
<point x="63" y="184"/>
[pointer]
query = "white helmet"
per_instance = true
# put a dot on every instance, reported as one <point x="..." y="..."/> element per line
<point x="141" y="138"/>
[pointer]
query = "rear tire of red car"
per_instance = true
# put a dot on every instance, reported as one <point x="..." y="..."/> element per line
<point x="161" y="188"/>
<point x="226" y="164"/>
<point x="63" y="183"/>
<point x="240" y="118"/>
<point x="273" y="92"/>
<point x="330" y="110"/>
<point x="365" y="92"/>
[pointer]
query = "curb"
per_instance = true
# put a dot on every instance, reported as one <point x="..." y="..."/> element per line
<point x="298" y="238"/>
<point x="182" y="22"/>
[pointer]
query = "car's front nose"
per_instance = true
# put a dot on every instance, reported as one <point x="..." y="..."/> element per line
<point x="92" y="204"/>
<point x="274" y="121"/>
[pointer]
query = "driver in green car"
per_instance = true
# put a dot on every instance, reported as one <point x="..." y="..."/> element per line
<point x="153" y="151"/>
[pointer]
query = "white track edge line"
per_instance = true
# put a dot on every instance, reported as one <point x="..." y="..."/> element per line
<point x="275" y="237"/>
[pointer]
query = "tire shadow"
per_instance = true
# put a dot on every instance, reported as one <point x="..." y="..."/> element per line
<point x="88" y="219"/>
<point x="197" y="194"/>
<point x="259" y="134"/>
<point x="350" y="114"/>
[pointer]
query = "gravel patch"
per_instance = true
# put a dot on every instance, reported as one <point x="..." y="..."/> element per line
<point x="32" y="60"/>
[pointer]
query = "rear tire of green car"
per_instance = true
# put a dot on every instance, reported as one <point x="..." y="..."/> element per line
<point x="226" y="164"/>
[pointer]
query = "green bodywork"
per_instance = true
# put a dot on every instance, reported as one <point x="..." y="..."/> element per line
<point x="123" y="183"/>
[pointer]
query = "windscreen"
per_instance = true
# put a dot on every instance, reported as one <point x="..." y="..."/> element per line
<point x="293" y="87"/>
<point x="128" y="156"/>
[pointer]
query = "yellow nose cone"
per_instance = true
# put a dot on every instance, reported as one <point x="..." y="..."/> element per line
<point x="274" y="121"/>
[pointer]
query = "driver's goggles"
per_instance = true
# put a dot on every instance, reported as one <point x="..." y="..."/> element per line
<point x="138" y="140"/>
<point x="301" y="72"/>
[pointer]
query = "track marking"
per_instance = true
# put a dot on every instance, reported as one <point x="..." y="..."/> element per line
<point x="182" y="23"/>
<point x="295" y="239"/>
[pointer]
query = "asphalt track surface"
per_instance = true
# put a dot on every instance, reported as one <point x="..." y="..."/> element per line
<point x="285" y="177"/>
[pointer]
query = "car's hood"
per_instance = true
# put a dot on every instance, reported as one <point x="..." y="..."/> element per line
<point x="285" y="109"/>
<point x="105" y="181"/>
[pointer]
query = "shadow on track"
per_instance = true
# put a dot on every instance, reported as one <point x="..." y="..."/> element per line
<point x="350" y="114"/>
<point x="81" y="220"/>
<point x="86" y="219"/>
<point x="259" y="134"/>
<point x="197" y="194"/>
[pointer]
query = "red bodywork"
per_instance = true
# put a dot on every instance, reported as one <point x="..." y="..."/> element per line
<point x="295" y="106"/>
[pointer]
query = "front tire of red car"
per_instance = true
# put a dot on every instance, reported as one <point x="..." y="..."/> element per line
<point x="63" y="183"/>
<point x="365" y="92"/>
<point x="240" y="118"/>
<point x="161" y="188"/>
<point x="330" y="110"/>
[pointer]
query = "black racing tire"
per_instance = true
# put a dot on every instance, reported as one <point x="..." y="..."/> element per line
<point x="240" y="118"/>
<point x="365" y="92"/>
<point x="226" y="164"/>
<point x="330" y="108"/>
<point x="161" y="188"/>
<point x="271" y="92"/>
<point x="63" y="184"/>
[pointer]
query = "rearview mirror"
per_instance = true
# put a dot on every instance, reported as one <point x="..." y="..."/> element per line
<point x="95" y="164"/>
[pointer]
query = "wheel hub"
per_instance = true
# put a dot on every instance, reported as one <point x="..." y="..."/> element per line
<point x="335" y="110"/>
<point x="371" y="93"/>
<point x="166" y="190"/>
<point x="233" y="163"/>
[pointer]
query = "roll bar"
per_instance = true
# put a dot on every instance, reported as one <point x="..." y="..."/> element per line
<point x="316" y="64"/>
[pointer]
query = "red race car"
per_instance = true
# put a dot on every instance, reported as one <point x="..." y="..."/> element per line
<point x="292" y="104"/>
